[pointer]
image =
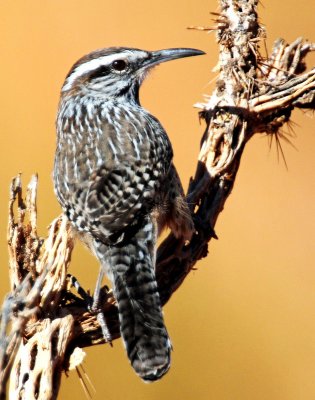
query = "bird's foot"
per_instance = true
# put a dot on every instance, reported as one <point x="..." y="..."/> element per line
<point x="97" y="310"/>
<point x="93" y="306"/>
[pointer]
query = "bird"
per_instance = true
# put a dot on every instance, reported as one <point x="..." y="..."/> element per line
<point x="115" y="180"/>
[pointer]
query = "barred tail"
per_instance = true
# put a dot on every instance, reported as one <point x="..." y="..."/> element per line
<point x="131" y="266"/>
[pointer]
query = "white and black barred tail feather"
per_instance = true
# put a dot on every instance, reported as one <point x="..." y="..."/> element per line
<point x="140" y="313"/>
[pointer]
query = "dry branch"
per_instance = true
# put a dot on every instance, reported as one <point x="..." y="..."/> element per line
<point x="253" y="95"/>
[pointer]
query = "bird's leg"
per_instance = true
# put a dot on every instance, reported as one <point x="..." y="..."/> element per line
<point x="97" y="290"/>
<point x="93" y="303"/>
<point x="95" y="307"/>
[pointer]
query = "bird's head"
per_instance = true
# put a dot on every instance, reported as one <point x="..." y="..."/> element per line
<point x="117" y="71"/>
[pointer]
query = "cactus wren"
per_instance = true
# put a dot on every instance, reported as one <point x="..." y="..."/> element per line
<point x="116" y="182"/>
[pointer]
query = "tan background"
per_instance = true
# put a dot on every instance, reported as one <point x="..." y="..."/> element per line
<point x="243" y="324"/>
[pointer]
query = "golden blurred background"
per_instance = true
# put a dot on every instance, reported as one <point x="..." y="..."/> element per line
<point x="243" y="324"/>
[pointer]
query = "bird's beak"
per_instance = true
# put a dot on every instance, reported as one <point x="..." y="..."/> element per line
<point x="157" y="57"/>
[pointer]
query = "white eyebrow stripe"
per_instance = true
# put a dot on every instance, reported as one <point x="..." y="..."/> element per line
<point x="89" y="66"/>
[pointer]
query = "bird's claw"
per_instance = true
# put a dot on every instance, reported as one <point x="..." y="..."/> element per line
<point x="93" y="306"/>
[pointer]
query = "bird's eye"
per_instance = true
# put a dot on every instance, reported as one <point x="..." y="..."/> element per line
<point x="119" y="65"/>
